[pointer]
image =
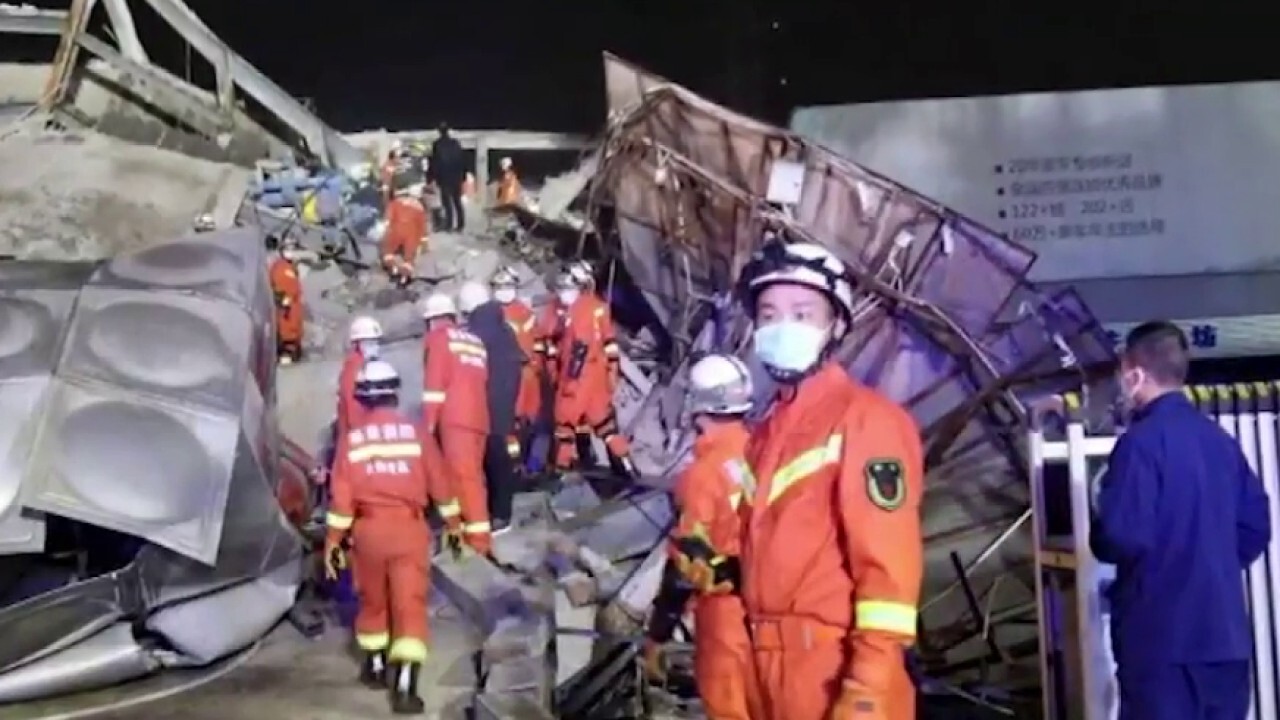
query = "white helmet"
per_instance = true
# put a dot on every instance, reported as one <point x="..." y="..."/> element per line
<point x="719" y="385"/>
<point x="565" y="281"/>
<point x="437" y="305"/>
<point x="377" y="379"/>
<point x="800" y="263"/>
<point x="582" y="273"/>
<point x="364" y="328"/>
<point x="504" y="277"/>
<point x="504" y="163"/>
<point x="472" y="295"/>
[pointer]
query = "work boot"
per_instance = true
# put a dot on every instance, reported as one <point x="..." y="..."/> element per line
<point x="373" y="671"/>
<point x="404" y="690"/>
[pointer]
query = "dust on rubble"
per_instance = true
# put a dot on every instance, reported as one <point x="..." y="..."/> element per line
<point x="82" y="196"/>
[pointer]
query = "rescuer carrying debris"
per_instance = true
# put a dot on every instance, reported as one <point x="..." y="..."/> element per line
<point x="455" y="408"/>
<point x="524" y="324"/>
<point x="706" y="542"/>
<point x="504" y="358"/>
<point x="509" y="191"/>
<point x="380" y="490"/>
<point x="832" y="548"/>
<point x="406" y="234"/>
<point x="588" y="360"/>
<point x="286" y="287"/>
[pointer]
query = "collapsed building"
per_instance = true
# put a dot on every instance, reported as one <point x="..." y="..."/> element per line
<point x="673" y="200"/>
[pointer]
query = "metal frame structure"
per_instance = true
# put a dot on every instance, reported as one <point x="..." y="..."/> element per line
<point x="1076" y="664"/>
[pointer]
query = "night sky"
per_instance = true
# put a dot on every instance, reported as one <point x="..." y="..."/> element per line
<point x="411" y="63"/>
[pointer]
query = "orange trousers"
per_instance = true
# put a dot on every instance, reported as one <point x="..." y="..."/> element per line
<point x="529" y="398"/>
<point x="289" y="323"/>
<point x="722" y="661"/>
<point x="390" y="547"/>
<point x="586" y="409"/>
<point x="463" y="450"/>
<point x="799" y="668"/>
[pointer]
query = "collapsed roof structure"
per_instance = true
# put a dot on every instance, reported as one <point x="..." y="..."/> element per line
<point x="680" y="192"/>
<point x="947" y="323"/>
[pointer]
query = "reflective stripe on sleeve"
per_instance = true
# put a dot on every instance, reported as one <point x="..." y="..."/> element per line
<point x="477" y="528"/>
<point x="892" y="617"/>
<point x="449" y="509"/>
<point x="337" y="521"/>
<point x="435" y="397"/>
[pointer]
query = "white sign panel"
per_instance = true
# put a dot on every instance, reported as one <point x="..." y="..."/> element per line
<point x="1102" y="183"/>
<point x="1240" y="336"/>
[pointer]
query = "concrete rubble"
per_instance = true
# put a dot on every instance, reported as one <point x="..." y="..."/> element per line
<point x="949" y="326"/>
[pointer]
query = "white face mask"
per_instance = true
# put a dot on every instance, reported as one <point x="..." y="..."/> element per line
<point x="789" y="348"/>
<point x="504" y="295"/>
<point x="567" y="297"/>
<point x="368" y="348"/>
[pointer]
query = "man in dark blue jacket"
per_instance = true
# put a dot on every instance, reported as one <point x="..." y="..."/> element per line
<point x="1180" y="514"/>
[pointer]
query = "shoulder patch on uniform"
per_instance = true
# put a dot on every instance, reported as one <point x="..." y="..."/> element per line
<point x="886" y="483"/>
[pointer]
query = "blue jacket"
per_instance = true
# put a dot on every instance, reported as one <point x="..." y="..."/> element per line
<point x="1180" y="514"/>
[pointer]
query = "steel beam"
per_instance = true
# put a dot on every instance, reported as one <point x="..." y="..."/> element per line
<point x="159" y="89"/>
<point x="64" y="62"/>
<point x="27" y="21"/>
<point x="125" y="32"/>
<point x="322" y="140"/>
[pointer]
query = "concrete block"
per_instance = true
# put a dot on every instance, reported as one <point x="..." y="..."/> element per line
<point x="510" y="706"/>
<point x="530" y="674"/>
<point x="572" y="500"/>
<point x="573" y="650"/>
<point x="624" y="527"/>
<point x="481" y="590"/>
<point x="636" y="595"/>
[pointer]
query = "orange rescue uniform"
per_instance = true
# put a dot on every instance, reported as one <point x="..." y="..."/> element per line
<point x="380" y="491"/>
<point x="287" y="289"/>
<point x="709" y="493"/>
<point x="350" y="411"/>
<point x="587" y="366"/>
<point x="405" y="234"/>
<point x="525" y="326"/>
<point x="455" y="405"/>
<point x="832" y="552"/>
<point x="508" y="188"/>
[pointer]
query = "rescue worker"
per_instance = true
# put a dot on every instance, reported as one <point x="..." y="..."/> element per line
<point x="364" y="340"/>
<point x="485" y="320"/>
<point x="587" y="374"/>
<point x="707" y="540"/>
<point x="390" y="167"/>
<point x="832" y="549"/>
<point x="449" y="170"/>
<point x="524" y="324"/>
<point x="287" y="289"/>
<point x="551" y="324"/>
<point x="380" y="490"/>
<point x="508" y="184"/>
<point x="455" y="408"/>
<point x="406" y="234"/>
<point x="1180" y="514"/>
